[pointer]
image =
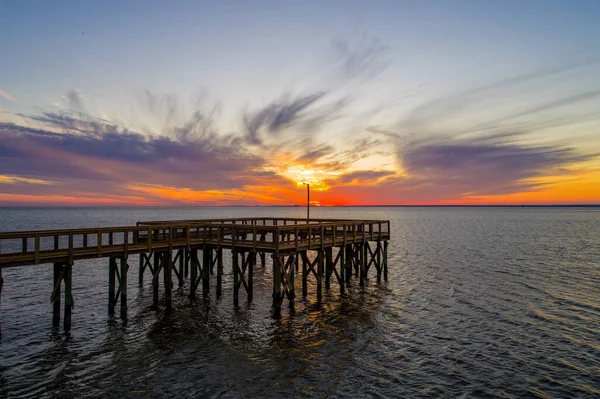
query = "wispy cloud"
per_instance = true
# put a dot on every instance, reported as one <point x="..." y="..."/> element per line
<point x="8" y="96"/>
<point x="471" y="143"/>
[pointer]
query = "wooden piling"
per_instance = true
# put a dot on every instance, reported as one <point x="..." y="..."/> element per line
<point x="321" y="255"/>
<point x="277" y="299"/>
<point x="304" y="274"/>
<point x="142" y="266"/>
<point x="328" y="267"/>
<point x="112" y="274"/>
<point x="206" y="265"/>
<point x="361" y="263"/>
<point x="342" y="254"/>
<point x="348" y="258"/>
<point x="168" y="277"/>
<point x="58" y="276"/>
<point x="290" y="278"/>
<point x="236" y="286"/>
<point x="181" y="255"/>
<point x="193" y="272"/>
<point x="68" y="278"/>
<point x="219" y="270"/>
<point x="250" y="273"/>
<point x="186" y="262"/>
<point x="155" y="273"/>
<point x="379" y="249"/>
<point x="123" y="286"/>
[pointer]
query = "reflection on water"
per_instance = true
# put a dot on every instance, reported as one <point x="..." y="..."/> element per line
<point x="480" y="302"/>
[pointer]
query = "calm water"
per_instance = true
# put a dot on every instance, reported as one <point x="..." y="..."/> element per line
<point x="480" y="302"/>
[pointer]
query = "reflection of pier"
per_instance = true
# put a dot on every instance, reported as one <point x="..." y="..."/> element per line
<point x="340" y="248"/>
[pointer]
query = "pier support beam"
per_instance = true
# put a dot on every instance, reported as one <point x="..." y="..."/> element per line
<point x="63" y="272"/>
<point x="342" y="276"/>
<point x="206" y="268"/>
<point x="141" y="268"/>
<point x="180" y="261"/>
<point x="68" y="278"/>
<point x="328" y="267"/>
<point x="305" y="262"/>
<point x="117" y="284"/>
<point x="196" y="272"/>
<point x="349" y="256"/>
<point x="361" y="262"/>
<point x="55" y="298"/>
<point x="385" y="260"/>
<point x="123" y="286"/>
<point x="316" y="267"/>
<point x="243" y="274"/>
<point x="168" y="278"/>
<point x="283" y="281"/>
<point x="157" y="261"/>
<point x="219" y="257"/>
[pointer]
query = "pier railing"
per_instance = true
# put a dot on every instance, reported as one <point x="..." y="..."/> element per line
<point x="250" y="234"/>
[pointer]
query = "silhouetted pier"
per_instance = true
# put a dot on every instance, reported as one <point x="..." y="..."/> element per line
<point x="194" y="249"/>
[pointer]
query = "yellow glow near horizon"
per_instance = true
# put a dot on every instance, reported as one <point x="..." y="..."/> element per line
<point x="316" y="178"/>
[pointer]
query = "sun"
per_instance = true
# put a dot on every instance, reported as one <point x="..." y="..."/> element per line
<point x="316" y="178"/>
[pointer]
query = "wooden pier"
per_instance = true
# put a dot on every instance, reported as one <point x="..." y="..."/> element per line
<point x="340" y="247"/>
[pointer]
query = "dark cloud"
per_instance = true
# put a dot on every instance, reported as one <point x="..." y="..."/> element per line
<point x="96" y="151"/>
<point x="487" y="165"/>
<point x="299" y="113"/>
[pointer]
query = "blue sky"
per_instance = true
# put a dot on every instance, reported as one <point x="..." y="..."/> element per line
<point x="425" y="68"/>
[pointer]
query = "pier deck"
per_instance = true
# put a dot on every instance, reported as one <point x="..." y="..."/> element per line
<point x="162" y="245"/>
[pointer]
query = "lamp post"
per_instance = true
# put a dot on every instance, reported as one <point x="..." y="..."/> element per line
<point x="307" y="202"/>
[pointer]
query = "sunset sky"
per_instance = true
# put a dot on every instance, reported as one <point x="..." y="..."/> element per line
<point x="240" y="102"/>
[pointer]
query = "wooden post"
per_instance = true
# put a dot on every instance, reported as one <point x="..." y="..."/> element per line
<point x="348" y="265"/>
<point x="142" y="265"/>
<point x="250" y="274"/>
<point x="276" y="285"/>
<point x="181" y="253"/>
<point x="206" y="264"/>
<point x="235" y="278"/>
<point x="187" y="262"/>
<point x="321" y="262"/>
<point x="168" y="277"/>
<point x="263" y="260"/>
<point x="379" y="261"/>
<point x="362" y="256"/>
<point x="290" y="278"/>
<point x="123" y="287"/>
<point x="304" y="274"/>
<point x="68" y="278"/>
<point x="385" y="260"/>
<point x="194" y="272"/>
<point x="219" y="271"/>
<point x="342" y="263"/>
<point x="328" y="267"/>
<point x="112" y="274"/>
<point x="157" y="261"/>
<point x="58" y="268"/>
